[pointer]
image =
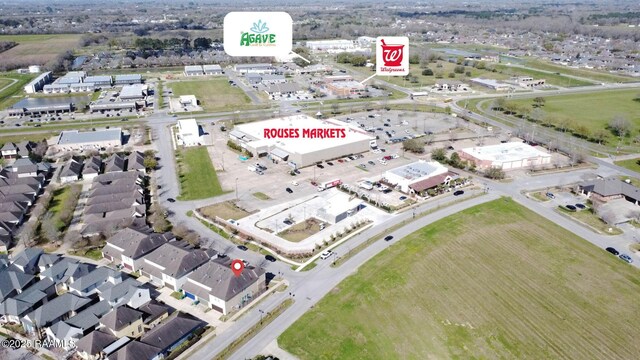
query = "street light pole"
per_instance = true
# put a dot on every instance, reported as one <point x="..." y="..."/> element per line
<point x="236" y="188"/>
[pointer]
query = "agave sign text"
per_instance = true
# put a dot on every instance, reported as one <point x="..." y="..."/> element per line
<point x="258" y="33"/>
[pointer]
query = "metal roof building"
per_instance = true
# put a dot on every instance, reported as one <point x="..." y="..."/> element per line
<point x="75" y="140"/>
<point x="128" y="79"/>
<point x="41" y="106"/>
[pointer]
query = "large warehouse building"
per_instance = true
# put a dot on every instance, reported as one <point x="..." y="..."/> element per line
<point x="513" y="155"/>
<point x="73" y="140"/>
<point x="298" y="139"/>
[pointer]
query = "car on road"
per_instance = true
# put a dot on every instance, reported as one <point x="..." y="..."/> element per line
<point x="320" y="166"/>
<point x="388" y="238"/>
<point x="458" y="192"/>
<point x="326" y="254"/>
<point x="294" y="183"/>
<point x="329" y="163"/>
<point x="242" y="247"/>
<point x="571" y="208"/>
<point x="289" y="190"/>
<point x="613" y="251"/>
<point x="363" y="166"/>
<point x="626" y="258"/>
<point x="580" y="206"/>
<point x="550" y="195"/>
<point x="450" y="147"/>
<point x="270" y="258"/>
<point x="403" y="198"/>
<point x="171" y="200"/>
<point x="371" y="162"/>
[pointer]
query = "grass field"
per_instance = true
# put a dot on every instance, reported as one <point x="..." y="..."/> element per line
<point x="589" y="74"/>
<point x="58" y="200"/>
<point x="225" y="210"/>
<point x="213" y="94"/>
<point x="9" y="96"/>
<point x="493" y="281"/>
<point x="631" y="164"/>
<point x="594" y="110"/>
<point x="197" y="176"/>
<point x="590" y="218"/>
<point x="37" y="49"/>
<point x="552" y="79"/>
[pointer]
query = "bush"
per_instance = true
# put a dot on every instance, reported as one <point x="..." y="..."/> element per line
<point x="459" y="69"/>
<point x="427" y="72"/>
<point x="494" y="173"/>
<point x="234" y="146"/>
<point x="439" y="154"/>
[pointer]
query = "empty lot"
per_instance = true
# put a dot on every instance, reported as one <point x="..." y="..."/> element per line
<point x="212" y="94"/>
<point x="37" y="49"/>
<point x="494" y="281"/>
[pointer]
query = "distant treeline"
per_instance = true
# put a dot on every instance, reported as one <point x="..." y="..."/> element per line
<point x="6" y="45"/>
<point x="145" y="43"/>
<point x="483" y="14"/>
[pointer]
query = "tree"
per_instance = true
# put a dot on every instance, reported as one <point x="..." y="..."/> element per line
<point x="458" y="69"/>
<point x="600" y="136"/>
<point x="620" y="126"/>
<point x="414" y="59"/>
<point x="495" y="173"/>
<point x="454" y="160"/>
<point x="498" y="104"/>
<point x="358" y="60"/>
<point x="451" y="75"/>
<point x="538" y="101"/>
<point x="439" y="154"/>
<point x="150" y="162"/>
<point x="413" y="145"/>
<point x="538" y="115"/>
<point x="202" y="43"/>
<point x="427" y="72"/>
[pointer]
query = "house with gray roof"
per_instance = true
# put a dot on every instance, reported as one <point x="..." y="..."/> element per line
<point x="99" y="277"/>
<point x="71" y="170"/>
<point x="609" y="189"/>
<point x="169" y="264"/>
<point x="65" y="272"/>
<point x="13" y="281"/>
<point x="129" y="292"/>
<point x="135" y="162"/>
<point x="123" y="321"/>
<point x="153" y="313"/>
<point x="27" y="260"/>
<point x="32" y="297"/>
<point x="136" y="350"/>
<point x="114" y="163"/>
<point x="171" y="333"/>
<point x="92" y="167"/>
<point x="77" y="326"/>
<point x="129" y="245"/>
<point x="215" y="285"/>
<point x="61" y="307"/>
<point x="46" y="261"/>
<point x="9" y="150"/>
<point x="90" y="347"/>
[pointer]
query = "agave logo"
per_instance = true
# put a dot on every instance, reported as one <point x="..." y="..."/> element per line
<point x="258" y="36"/>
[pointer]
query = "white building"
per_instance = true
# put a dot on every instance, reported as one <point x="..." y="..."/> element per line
<point x="133" y="92"/>
<point x="188" y="100"/>
<point x="513" y="155"/>
<point x="405" y="176"/>
<point x="301" y="140"/>
<point x="72" y="140"/>
<point x="326" y="45"/>
<point x="212" y="70"/>
<point x="188" y="133"/>
<point x="193" y="70"/>
<point x="263" y="68"/>
<point x="38" y="83"/>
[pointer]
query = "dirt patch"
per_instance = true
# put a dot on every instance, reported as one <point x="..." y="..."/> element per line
<point x="301" y="230"/>
<point x="225" y="210"/>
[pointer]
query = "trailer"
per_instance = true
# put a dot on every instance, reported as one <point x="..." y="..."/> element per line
<point x="328" y="184"/>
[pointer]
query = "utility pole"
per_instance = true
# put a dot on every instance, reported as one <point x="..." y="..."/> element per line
<point x="236" y="188"/>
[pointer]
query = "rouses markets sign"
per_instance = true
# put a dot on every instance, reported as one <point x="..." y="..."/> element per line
<point x="258" y="33"/>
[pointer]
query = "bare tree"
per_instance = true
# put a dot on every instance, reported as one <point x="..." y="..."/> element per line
<point x="620" y="125"/>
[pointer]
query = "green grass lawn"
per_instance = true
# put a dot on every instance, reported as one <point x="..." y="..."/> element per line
<point x="60" y="196"/>
<point x="589" y="74"/>
<point x="593" y="110"/>
<point x="552" y="79"/>
<point x="213" y="94"/>
<point x="493" y="281"/>
<point x="631" y="164"/>
<point x="10" y="95"/>
<point x="37" y="49"/>
<point x="197" y="176"/>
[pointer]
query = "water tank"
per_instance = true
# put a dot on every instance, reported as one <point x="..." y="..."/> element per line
<point x="34" y="69"/>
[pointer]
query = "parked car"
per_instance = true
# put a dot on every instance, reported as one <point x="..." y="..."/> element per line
<point x="458" y="192"/>
<point x="289" y="190"/>
<point x="270" y="258"/>
<point x="294" y="183"/>
<point x="171" y="200"/>
<point x="388" y="238"/>
<point x="581" y="206"/>
<point x="571" y="208"/>
<point x="371" y="162"/>
<point x="550" y="195"/>
<point x="242" y="247"/>
<point x="626" y="258"/>
<point x="329" y="163"/>
<point x="613" y="251"/>
<point x="403" y="198"/>
<point x="320" y="166"/>
<point x="326" y="254"/>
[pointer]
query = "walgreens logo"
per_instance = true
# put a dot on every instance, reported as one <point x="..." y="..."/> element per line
<point x="392" y="56"/>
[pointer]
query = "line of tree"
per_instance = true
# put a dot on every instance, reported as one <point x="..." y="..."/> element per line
<point x="353" y="59"/>
<point x="145" y="43"/>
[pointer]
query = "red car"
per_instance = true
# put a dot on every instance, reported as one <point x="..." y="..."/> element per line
<point x="314" y="183"/>
<point x="387" y="158"/>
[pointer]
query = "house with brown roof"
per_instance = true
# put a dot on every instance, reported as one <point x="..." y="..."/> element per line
<point x="123" y="321"/>
<point x="169" y="264"/>
<point x="129" y="245"/>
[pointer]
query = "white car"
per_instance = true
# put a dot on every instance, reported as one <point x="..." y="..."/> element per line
<point x="294" y="183"/>
<point x="325" y="255"/>
<point x="395" y="156"/>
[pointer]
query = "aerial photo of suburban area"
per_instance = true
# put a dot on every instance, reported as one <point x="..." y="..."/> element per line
<point x="302" y="180"/>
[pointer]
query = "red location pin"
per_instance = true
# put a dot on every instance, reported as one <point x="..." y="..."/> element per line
<point x="237" y="266"/>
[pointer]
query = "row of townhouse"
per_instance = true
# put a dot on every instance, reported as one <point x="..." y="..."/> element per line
<point x="99" y="312"/>
<point x="78" y="168"/>
<point x="20" y="184"/>
<point x="115" y="201"/>
<point x="200" y="274"/>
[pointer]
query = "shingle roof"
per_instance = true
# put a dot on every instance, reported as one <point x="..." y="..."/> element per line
<point x="135" y="161"/>
<point x="73" y="167"/>
<point x="95" y="277"/>
<point x="136" y="243"/>
<point x="611" y="187"/>
<point x="27" y="257"/>
<point x="65" y="269"/>
<point x="92" y="165"/>
<point x="177" y="258"/>
<point x="219" y="277"/>
<point x="123" y="290"/>
<point x="120" y="317"/>
<point x="115" y="163"/>
<point x="94" y="342"/>
<point x="136" y="350"/>
<point x="56" y="308"/>
<point x="90" y="316"/>
<point x="170" y="331"/>
<point x="152" y="310"/>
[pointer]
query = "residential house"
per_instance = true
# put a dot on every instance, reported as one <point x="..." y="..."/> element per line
<point x="9" y="150"/>
<point x="114" y="163"/>
<point x="92" y="167"/>
<point x="13" y="281"/>
<point x="135" y="161"/>
<point x="100" y="277"/>
<point x="72" y="170"/>
<point x="123" y="321"/>
<point x="59" y="308"/>
<point x="130" y="292"/>
<point x="215" y="285"/>
<point x="65" y="272"/>
<point x="27" y="260"/>
<point x="91" y="346"/>
<point x="129" y="245"/>
<point x="169" y="264"/>
<point x="153" y="313"/>
<point x="72" y="329"/>
<point x="608" y="189"/>
<point x="34" y="296"/>
<point x="171" y="333"/>
<point x="136" y="350"/>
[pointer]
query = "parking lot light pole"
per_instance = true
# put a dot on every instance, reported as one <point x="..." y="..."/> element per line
<point x="236" y="188"/>
<point x="261" y="313"/>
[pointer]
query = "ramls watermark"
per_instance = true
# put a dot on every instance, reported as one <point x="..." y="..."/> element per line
<point x="35" y="344"/>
